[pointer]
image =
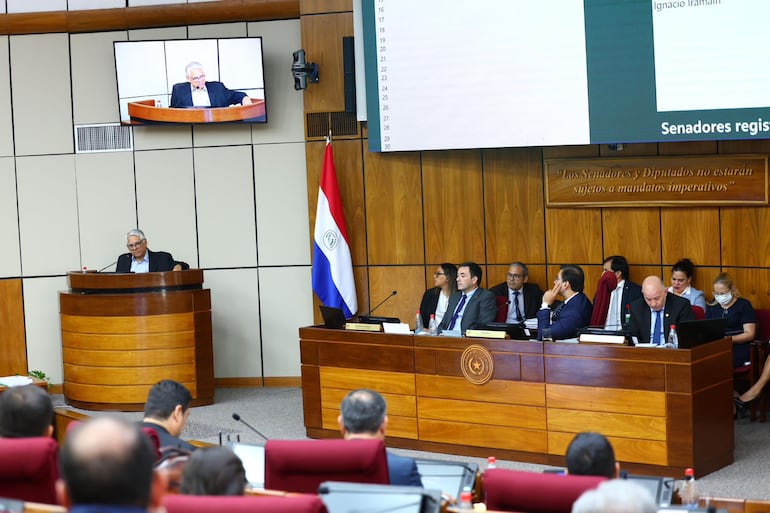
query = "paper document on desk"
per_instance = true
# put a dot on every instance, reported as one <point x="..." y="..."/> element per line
<point x="531" y="323"/>
<point x="15" y="381"/>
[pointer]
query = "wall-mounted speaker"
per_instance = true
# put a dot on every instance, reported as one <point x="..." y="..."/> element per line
<point x="349" y="73"/>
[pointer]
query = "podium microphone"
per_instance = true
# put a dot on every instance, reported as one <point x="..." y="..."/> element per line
<point x="106" y="266"/>
<point x="239" y="419"/>
<point x="379" y="304"/>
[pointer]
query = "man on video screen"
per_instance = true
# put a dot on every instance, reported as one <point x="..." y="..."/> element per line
<point x="197" y="92"/>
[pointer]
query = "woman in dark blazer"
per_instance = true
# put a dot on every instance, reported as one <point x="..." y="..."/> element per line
<point x="436" y="299"/>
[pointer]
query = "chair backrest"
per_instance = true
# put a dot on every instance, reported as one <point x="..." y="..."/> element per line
<point x="502" y="313"/>
<point x="301" y="465"/>
<point x="699" y="313"/>
<point x="243" y="504"/>
<point x="532" y="492"/>
<point x="763" y="324"/>
<point x="29" y="468"/>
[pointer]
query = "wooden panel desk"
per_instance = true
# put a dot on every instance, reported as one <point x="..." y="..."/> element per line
<point x="663" y="410"/>
<point x="122" y="333"/>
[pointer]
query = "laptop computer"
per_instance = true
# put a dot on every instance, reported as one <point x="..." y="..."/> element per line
<point x="450" y="477"/>
<point x="695" y="333"/>
<point x="253" y="458"/>
<point x="334" y="318"/>
<point x="514" y="331"/>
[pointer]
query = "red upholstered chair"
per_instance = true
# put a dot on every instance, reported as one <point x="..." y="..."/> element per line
<point x="301" y="465"/>
<point x="243" y="504"/>
<point x="29" y="468"/>
<point x="532" y="492"/>
<point x="502" y="312"/>
<point x="699" y="312"/>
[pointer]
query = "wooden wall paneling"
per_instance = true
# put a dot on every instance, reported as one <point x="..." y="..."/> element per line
<point x="13" y="343"/>
<point x="745" y="239"/>
<point x="573" y="235"/>
<point x="407" y="280"/>
<point x="749" y="146"/>
<point x="591" y="272"/>
<point x="394" y="224"/>
<point x="496" y="414"/>
<point x="629" y="150"/>
<point x="753" y="284"/>
<point x="513" y="205"/>
<point x="640" y="272"/>
<point x="463" y="433"/>
<point x="324" y="6"/>
<point x="691" y="233"/>
<point x="633" y="233"/>
<point x="688" y="148"/>
<point x="401" y="383"/>
<point x="563" y="152"/>
<point x="453" y="206"/>
<point x="322" y="40"/>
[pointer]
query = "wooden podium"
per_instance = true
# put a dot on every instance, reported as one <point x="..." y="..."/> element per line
<point x="122" y="333"/>
<point x="145" y="111"/>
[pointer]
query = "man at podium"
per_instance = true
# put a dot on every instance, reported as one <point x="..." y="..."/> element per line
<point x="197" y="92"/>
<point x="139" y="259"/>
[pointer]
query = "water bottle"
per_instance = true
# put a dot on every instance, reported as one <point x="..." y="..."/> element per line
<point x="418" y="327"/>
<point x="688" y="493"/>
<point x="627" y="317"/>
<point x="491" y="462"/>
<point x="433" y="325"/>
<point x="466" y="502"/>
<point x="673" y="339"/>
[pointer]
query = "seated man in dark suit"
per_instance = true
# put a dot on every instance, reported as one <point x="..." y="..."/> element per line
<point x="197" y="92"/>
<point x="363" y="415"/>
<point x="166" y="412"/>
<point x="142" y="260"/>
<point x="523" y="298"/>
<point x="470" y="305"/>
<point x="625" y="293"/>
<point x="591" y="454"/>
<point x="25" y="411"/>
<point x="575" y="312"/>
<point x="653" y="314"/>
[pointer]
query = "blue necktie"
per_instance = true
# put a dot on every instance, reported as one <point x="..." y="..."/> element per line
<point x="516" y="305"/>
<point x="657" y="332"/>
<point x="459" y="309"/>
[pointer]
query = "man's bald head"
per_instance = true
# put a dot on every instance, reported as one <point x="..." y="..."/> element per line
<point x="654" y="292"/>
<point x="107" y="461"/>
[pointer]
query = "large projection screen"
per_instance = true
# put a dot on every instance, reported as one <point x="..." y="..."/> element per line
<point x="444" y="74"/>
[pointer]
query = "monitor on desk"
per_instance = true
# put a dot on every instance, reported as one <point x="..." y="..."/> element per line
<point x="253" y="458"/>
<point x="376" y="498"/>
<point x="696" y="333"/>
<point x="514" y="330"/>
<point x="448" y="476"/>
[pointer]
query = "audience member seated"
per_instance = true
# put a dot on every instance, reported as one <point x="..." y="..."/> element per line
<point x="106" y="466"/>
<point x="616" y="496"/>
<point x="29" y="469"/>
<point x="653" y="314"/>
<point x="591" y="454"/>
<point x="25" y="411"/>
<point x="575" y="312"/>
<point x="681" y="277"/>
<point x="534" y="492"/>
<point x="213" y="471"/>
<point x="363" y="416"/>
<point x="436" y="299"/>
<point x="470" y="305"/>
<point x="166" y="411"/>
<point x="523" y="298"/>
<point x="741" y="319"/>
<point x="623" y="293"/>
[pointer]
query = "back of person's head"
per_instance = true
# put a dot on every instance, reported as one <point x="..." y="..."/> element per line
<point x="164" y="397"/>
<point x="573" y="274"/>
<point x="363" y="411"/>
<point x="591" y="454"/>
<point x="618" y="263"/>
<point x="474" y="269"/>
<point x="450" y="271"/>
<point x="616" y="496"/>
<point x="213" y="471"/>
<point x="25" y="411"/>
<point x="107" y="460"/>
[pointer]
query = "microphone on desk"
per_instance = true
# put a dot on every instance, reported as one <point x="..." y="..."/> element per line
<point x="239" y="419"/>
<point x="367" y="314"/>
<point x="106" y="266"/>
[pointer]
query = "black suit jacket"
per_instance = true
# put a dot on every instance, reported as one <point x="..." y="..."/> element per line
<point x="219" y="95"/>
<point x="631" y="292"/>
<point x="533" y="297"/>
<point x="480" y="308"/>
<point x="428" y="304"/>
<point x="160" y="261"/>
<point x="675" y="310"/>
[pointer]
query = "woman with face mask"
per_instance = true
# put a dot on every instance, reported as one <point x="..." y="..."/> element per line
<point x="741" y="320"/>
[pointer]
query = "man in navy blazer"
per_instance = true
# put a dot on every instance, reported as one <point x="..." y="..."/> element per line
<point x="197" y="92"/>
<point x="574" y="313"/>
<point x="142" y="260"/>
<point x="655" y="298"/>
<point x="471" y="304"/>
<point x="363" y="415"/>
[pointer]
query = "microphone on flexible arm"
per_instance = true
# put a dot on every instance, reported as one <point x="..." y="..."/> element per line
<point x="106" y="266"/>
<point x="368" y="318"/>
<point x="257" y="431"/>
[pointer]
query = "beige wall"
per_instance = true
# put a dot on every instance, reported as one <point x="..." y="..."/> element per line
<point x="231" y="200"/>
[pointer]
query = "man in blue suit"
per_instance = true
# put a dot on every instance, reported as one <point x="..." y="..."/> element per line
<point x="575" y="312"/>
<point x="363" y="415"/>
<point x="197" y="92"/>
